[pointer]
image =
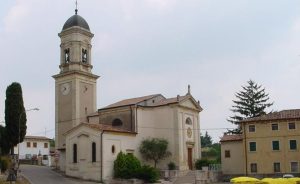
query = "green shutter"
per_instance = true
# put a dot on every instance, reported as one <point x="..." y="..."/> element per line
<point x="252" y="146"/>
<point x="275" y="145"/>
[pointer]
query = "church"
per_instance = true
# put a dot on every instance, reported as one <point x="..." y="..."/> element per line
<point x="89" y="139"/>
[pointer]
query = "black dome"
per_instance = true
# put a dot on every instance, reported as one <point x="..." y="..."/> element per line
<point x="76" y="20"/>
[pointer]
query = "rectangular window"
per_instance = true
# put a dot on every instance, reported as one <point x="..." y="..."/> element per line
<point x="293" y="145"/>
<point x="28" y="144"/>
<point x="276" y="166"/>
<point x="275" y="145"/>
<point x="93" y="152"/>
<point x="227" y="153"/>
<point x="27" y="156"/>
<point x="251" y="128"/>
<point x="253" y="167"/>
<point x="74" y="153"/>
<point x="294" y="167"/>
<point x="34" y="144"/>
<point x="274" y="126"/>
<point x="45" y="157"/>
<point x="292" y="126"/>
<point x="45" y="145"/>
<point x="252" y="146"/>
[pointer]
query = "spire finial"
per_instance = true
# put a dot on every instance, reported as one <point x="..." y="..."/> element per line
<point x="189" y="89"/>
<point x="76" y="10"/>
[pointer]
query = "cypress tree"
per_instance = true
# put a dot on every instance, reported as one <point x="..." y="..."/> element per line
<point x="252" y="101"/>
<point x="15" y="115"/>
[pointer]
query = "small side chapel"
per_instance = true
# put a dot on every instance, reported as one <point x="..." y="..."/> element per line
<point x="89" y="139"/>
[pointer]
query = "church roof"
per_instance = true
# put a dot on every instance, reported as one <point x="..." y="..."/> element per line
<point x="131" y="101"/>
<point x="164" y="101"/>
<point x="169" y="101"/>
<point x="76" y="20"/>
<point x="101" y="127"/>
<point x="281" y="115"/>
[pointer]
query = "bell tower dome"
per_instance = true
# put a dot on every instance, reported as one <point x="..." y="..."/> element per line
<point x="75" y="45"/>
<point x="75" y="84"/>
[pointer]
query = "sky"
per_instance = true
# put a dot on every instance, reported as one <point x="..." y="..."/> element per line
<point x="144" y="47"/>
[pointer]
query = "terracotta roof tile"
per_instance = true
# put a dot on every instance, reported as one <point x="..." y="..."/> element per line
<point x="281" y="115"/>
<point x="169" y="101"/>
<point x="36" y="137"/>
<point x="100" y="127"/>
<point x="130" y="101"/>
<point x="104" y="127"/>
<point x="235" y="137"/>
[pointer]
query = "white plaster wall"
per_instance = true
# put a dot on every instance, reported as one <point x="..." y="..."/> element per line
<point x="122" y="142"/>
<point x="168" y="122"/>
<point x="158" y="122"/>
<point x="84" y="168"/>
<point x="31" y="150"/>
<point x="235" y="163"/>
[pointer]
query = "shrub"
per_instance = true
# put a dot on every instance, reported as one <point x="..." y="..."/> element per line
<point x="203" y="163"/>
<point x="126" y="166"/>
<point x="4" y="163"/>
<point x="148" y="174"/>
<point x="171" y="166"/>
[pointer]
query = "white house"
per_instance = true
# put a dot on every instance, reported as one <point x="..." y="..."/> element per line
<point x="34" y="146"/>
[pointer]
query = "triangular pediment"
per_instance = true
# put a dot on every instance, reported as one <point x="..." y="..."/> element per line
<point x="190" y="103"/>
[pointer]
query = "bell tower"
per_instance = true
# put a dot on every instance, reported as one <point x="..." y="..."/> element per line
<point x="75" y="85"/>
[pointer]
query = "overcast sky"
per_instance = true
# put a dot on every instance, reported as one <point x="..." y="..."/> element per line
<point x="144" y="47"/>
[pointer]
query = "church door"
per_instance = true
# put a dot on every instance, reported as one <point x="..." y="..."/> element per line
<point x="190" y="158"/>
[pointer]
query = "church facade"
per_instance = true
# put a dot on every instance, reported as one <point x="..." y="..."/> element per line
<point x="89" y="139"/>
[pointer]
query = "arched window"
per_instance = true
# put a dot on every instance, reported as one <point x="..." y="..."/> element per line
<point x="113" y="149"/>
<point x="188" y="121"/>
<point x="74" y="153"/>
<point x="67" y="55"/>
<point x="117" y="122"/>
<point x="84" y="55"/>
<point x="93" y="152"/>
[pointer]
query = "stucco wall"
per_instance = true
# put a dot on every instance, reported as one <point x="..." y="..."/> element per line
<point x="31" y="150"/>
<point x="121" y="142"/>
<point x="125" y="114"/>
<point x="264" y="155"/>
<point x="84" y="168"/>
<point x="235" y="164"/>
<point x="169" y="122"/>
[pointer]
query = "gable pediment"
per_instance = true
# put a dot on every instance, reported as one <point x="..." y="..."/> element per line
<point x="190" y="103"/>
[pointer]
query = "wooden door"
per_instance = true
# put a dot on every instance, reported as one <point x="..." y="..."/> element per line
<point x="190" y="158"/>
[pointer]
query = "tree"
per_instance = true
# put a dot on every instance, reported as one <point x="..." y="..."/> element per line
<point x="15" y="115"/>
<point x="252" y="101"/>
<point x="206" y="140"/>
<point x="4" y="147"/>
<point x="154" y="149"/>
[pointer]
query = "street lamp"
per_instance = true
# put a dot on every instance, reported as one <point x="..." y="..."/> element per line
<point x="23" y="112"/>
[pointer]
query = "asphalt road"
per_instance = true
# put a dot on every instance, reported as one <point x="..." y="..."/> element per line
<point x="44" y="175"/>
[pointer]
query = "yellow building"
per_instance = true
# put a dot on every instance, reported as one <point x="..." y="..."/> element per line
<point x="269" y="146"/>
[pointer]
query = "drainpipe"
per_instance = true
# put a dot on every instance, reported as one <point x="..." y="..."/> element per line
<point x="246" y="156"/>
<point x="101" y="158"/>
<point x="136" y="119"/>
<point x="131" y="118"/>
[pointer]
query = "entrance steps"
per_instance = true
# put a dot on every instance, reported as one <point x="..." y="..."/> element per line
<point x="188" y="178"/>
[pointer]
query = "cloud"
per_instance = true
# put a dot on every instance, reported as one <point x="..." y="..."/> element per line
<point x="161" y="5"/>
<point x="16" y="16"/>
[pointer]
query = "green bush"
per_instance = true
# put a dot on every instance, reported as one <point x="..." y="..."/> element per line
<point x="126" y="166"/>
<point x="4" y="163"/>
<point x="171" y="166"/>
<point x="148" y="174"/>
<point x="203" y="163"/>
